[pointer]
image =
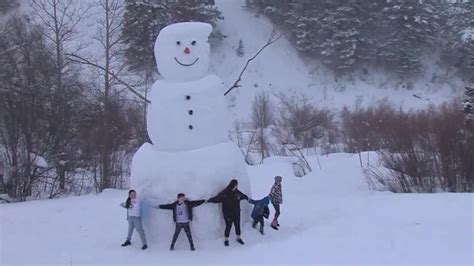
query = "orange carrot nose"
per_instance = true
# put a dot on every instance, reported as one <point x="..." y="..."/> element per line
<point x="186" y="50"/>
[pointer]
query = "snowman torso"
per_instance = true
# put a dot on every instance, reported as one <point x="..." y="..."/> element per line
<point x="187" y="115"/>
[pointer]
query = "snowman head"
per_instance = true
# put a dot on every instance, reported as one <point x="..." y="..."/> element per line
<point x="182" y="51"/>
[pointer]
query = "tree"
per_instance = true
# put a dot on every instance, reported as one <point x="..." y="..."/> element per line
<point x="59" y="20"/>
<point x="7" y="5"/>
<point x="143" y="20"/>
<point x="458" y="36"/>
<point x="411" y="30"/>
<point x="468" y="104"/>
<point x="240" y="49"/>
<point x="262" y="119"/>
<point x="108" y="37"/>
<point x="27" y="105"/>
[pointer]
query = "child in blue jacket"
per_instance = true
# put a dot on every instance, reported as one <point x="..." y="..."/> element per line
<point x="260" y="211"/>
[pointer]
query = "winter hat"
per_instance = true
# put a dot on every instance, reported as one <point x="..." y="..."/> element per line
<point x="278" y="178"/>
<point x="181" y="195"/>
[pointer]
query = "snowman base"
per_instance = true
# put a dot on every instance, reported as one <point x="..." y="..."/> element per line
<point x="201" y="173"/>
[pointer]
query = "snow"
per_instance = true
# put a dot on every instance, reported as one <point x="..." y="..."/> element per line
<point x="279" y="68"/>
<point x="187" y="122"/>
<point x="328" y="217"/>
<point x="187" y="115"/>
<point x="38" y="161"/>
<point x="468" y="35"/>
<point x="201" y="173"/>
<point x="182" y="51"/>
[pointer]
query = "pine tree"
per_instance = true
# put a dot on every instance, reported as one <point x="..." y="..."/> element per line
<point x="7" y="5"/>
<point x="341" y="44"/>
<point x="458" y="36"/>
<point x="144" y="19"/>
<point x="411" y="28"/>
<point x="240" y="49"/>
<point x="468" y="104"/>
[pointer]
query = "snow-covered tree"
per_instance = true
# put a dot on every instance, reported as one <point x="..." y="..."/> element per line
<point x="7" y="5"/>
<point x="411" y="28"/>
<point x="468" y="103"/>
<point x="143" y="20"/>
<point x="341" y="43"/>
<point x="458" y="36"/>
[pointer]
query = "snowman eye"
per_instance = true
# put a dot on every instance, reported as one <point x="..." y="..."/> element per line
<point x="193" y="42"/>
<point x="178" y="43"/>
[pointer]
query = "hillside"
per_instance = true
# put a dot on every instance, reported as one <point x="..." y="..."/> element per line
<point x="281" y="69"/>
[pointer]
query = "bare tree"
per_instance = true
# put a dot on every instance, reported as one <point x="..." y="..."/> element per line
<point x="262" y="119"/>
<point x="109" y="37"/>
<point x="59" y="19"/>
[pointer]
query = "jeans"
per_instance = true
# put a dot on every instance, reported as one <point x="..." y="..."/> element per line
<point x="135" y="222"/>
<point x="187" y="230"/>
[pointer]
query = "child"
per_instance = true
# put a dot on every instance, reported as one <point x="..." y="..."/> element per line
<point x="133" y="206"/>
<point x="260" y="210"/>
<point x="276" y="197"/>
<point x="230" y="198"/>
<point x="182" y="215"/>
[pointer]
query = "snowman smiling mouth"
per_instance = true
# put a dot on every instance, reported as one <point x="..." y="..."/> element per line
<point x="186" y="65"/>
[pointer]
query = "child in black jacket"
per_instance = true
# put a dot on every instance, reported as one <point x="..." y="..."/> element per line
<point x="182" y="214"/>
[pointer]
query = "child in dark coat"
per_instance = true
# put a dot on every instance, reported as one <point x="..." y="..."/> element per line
<point x="230" y="198"/>
<point x="182" y="214"/>
<point x="260" y="211"/>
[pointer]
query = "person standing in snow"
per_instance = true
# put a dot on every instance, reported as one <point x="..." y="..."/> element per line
<point x="260" y="211"/>
<point x="276" y="197"/>
<point x="182" y="214"/>
<point x="134" y="209"/>
<point x="230" y="198"/>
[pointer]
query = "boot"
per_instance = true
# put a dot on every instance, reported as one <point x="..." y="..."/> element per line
<point x="254" y="224"/>
<point x="226" y="243"/>
<point x="261" y="230"/>
<point x="192" y="248"/>
<point x="144" y="247"/>
<point x="171" y="247"/>
<point x="240" y="241"/>
<point x="274" y="225"/>
<point x="126" y="243"/>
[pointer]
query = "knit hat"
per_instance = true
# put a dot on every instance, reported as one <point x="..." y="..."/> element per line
<point x="278" y="178"/>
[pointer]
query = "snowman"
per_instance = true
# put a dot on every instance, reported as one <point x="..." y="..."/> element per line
<point x="188" y="124"/>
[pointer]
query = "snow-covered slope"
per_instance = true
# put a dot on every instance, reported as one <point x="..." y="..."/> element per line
<point x="281" y="69"/>
<point x="328" y="217"/>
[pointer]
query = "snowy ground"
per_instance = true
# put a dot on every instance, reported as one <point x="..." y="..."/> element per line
<point x="329" y="217"/>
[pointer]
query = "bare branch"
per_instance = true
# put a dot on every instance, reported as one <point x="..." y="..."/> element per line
<point x="83" y="61"/>
<point x="274" y="36"/>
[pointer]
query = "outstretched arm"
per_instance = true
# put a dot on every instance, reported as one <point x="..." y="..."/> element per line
<point x="195" y="203"/>
<point x="166" y="206"/>
<point x="243" y="196"/>
<point x="216" y="199"/>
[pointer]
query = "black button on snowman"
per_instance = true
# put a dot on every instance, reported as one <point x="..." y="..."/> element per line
<point x="190" y="112"/>
<point x="188" y="109"/>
